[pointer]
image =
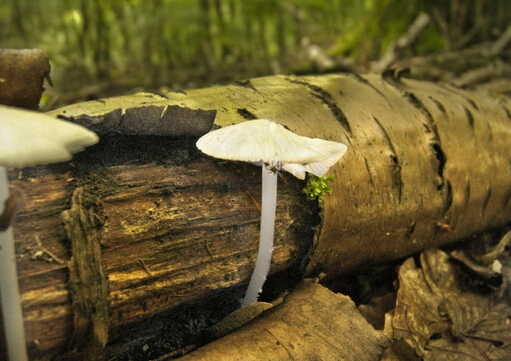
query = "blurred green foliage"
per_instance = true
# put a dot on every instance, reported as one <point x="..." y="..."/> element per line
<point x="160" y="41"/>
<point x="110" y="38"/>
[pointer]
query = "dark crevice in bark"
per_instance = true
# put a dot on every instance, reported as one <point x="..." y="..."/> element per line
<point x="327" y="99"/>
<point x="440" y="156"/>
<point x="369" y="172"/>
<point x="486" y="200"/>
<point x="395" y="166"/>
<point x="446" y="191"/>
<point x="490" y="130"/>
<point x="508" y="113"/>
<point x="156" y="92"/>
<point x="246" y="114"/>
<point x="439" y="105"/>
<point x="473" y="103"/>
<point x="245" y="84"/>
<point x="412" y="98"/>
<point x="470" y="117"/>
<point x="411" y="229"/>
<point x="466" y="196"/>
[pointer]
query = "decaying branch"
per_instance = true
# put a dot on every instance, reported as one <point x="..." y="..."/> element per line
<point x="396" y="49"/>
<point x="308" y="325"/>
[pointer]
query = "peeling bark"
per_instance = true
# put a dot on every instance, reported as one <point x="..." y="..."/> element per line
<point x="141" y="119"/>
<point x="87" y="280"/>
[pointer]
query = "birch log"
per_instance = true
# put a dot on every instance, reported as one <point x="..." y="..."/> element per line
<point x="427" y="164"/>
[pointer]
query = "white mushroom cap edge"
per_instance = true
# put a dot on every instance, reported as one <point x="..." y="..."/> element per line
<point x="28" y="138"/>
<point x="262" y="140"/>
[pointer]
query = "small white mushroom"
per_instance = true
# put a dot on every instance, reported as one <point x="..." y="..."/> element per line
<point x="28" y="138"/>
<point x="272" y="146"/>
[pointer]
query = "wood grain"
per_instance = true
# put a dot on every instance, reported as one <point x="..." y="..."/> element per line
<point x="174" y="226"/>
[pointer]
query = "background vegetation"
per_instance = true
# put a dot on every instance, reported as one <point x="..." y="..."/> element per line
<point x="117" y="45"/>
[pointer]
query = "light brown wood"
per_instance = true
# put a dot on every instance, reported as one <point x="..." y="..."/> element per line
<point x="312" y="323"/>
<point x="173" y="224"/>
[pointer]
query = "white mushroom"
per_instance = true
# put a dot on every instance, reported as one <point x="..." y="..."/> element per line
<point x="27" y="138"/>
<point x="272" y="146"/>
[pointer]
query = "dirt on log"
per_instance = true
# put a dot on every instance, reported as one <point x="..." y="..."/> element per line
<point x="426" y="165"/>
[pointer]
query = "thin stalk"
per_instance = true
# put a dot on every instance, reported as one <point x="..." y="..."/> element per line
<point x="9" y="289"/>
<point x="268" y="207"/>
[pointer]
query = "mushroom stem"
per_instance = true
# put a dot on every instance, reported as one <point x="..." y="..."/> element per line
<point x="268" y="207"/>
<point x="9" y="289"/>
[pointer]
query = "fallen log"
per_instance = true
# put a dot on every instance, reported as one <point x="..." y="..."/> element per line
<point x="426" y="165"/>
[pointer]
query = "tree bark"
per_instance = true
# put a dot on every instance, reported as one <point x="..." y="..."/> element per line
<point x="173" y="226"/>
<point x="426" y="165"/>
<point x="22" y="74"/>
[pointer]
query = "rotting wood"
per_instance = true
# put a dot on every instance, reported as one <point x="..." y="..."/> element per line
<point x="193" y="222"/>
<point x="87" y="280"/>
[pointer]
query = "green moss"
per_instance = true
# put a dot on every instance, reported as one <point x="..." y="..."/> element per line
<point x="316" y="188"/>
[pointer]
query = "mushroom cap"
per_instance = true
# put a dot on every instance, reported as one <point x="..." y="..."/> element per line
<point x="262" y="140"/>
<point x="29" y="138"/>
